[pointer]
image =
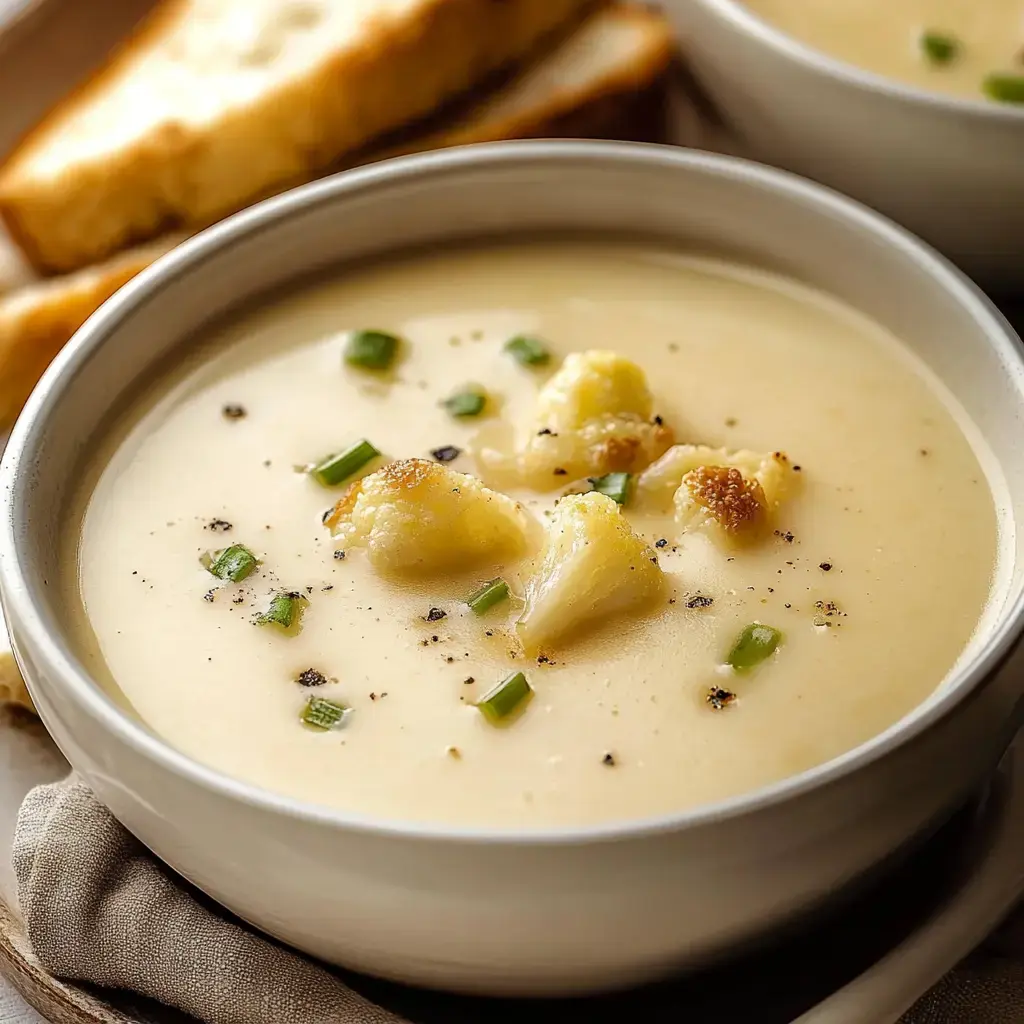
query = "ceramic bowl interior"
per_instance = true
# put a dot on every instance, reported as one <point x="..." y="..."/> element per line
<point x="706" y="203"/>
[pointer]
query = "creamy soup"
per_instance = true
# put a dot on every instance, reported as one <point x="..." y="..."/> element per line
<point x="970" y="48"/>
<point x="732" y="615"/>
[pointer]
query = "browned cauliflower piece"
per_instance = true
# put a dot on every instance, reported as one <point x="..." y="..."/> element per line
<point x="731" y="495"/>
<point x="594" y="416"/>
<point x="415" y="515"/>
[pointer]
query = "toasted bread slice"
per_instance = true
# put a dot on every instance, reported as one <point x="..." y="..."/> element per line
<point x="616" y="53"/>
<point x="37" y="320"/>
<point x="583" y="86"/>
<point x="213" y="102"/>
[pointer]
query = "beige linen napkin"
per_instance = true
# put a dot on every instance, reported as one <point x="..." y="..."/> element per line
<point x="100" y="908"/>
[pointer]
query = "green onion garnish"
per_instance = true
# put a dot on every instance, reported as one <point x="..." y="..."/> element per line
<point x="616" y="485"/>
<point x="284" y="610"/>
<point x="323" y="714"/>
<point x="233" y="563"/>
<point x="527" y="351"/>
<point x="336" y="468"/>
<point x="753" y="645"/>
<point x="508" y="696"/>
<point x="465" y="403"/>
<point x="372" y="350"/>
<point x="488" y="596"/>
<point x="938" y="47"/>
<point x="1005" y="88"/>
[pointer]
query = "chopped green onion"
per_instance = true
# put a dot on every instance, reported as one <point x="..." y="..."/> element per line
<point x="233" y="563"/>
<point x="323" y="714"/>
<point x="527" y="351"/>
<point x="1005" y="88"/>
<point x="284" y="610"/>
<point x="465" y="403"/>
<point x="508" y="696"/>
<point x="615" y="485"/>
<point x="372" y="350"/>
<point x="753" y="645"/>
<point x="939" y="47"/>
<point x="488" y="596"/>
<point x="336" y="468"/>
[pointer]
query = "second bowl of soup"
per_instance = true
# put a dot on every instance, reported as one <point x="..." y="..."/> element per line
<point x="915" y="107"/>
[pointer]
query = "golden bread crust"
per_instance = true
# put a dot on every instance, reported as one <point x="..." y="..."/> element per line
<point x="175" y="175"/>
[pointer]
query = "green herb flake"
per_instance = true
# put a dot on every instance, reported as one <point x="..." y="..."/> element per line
<point x="285" y="609"/>
<point x="527" y="351"/>
<point x="335" y="469"/>
<point x="488" y="596"/>
<point x="233" y="563"/>
<point x="371" y="350"/>
<point x="322" y="714"/>
<point x="939" y="48"/>
<point x="756" y="643"/>
<point x="1004" y="87"/>
<point x="507" y="698"/>
<point x="616" y="486"/>
<point x="464" y="404"/>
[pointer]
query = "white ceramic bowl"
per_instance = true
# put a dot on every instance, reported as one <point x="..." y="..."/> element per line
<point x="949" y="169"/>
<point x="485" y="909"/>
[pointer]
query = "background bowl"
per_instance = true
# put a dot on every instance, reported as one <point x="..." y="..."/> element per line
<point x="489" y="910"/>
<point x="949" y="169"/>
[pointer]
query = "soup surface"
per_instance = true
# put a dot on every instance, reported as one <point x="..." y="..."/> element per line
<point x="874" y="566"/>
<point x="970" y="48"/>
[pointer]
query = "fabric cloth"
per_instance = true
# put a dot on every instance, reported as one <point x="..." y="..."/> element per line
<point x="99" y="908"/>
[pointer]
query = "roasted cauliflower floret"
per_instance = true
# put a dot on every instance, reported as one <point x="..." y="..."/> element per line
<point x="417" y="516"/>
<point x="723" y="498"/>
<point x="731" y="495"/>
<point x="594" y="416"/>
<point x="592" y="566"/>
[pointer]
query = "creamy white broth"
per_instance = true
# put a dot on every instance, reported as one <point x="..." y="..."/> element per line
<point x="884" y="37"/>
<point x="892" y="498"/>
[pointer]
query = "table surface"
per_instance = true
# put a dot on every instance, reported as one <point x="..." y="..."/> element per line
<point x="14" y="1009"/>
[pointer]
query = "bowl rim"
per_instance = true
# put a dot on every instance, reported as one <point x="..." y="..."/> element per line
<point x="741" y="18"/>
<point x="41" y="634"/>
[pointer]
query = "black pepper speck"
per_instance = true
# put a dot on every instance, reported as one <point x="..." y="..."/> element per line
<point x="446" y="453"/>
<point x="719" y="698"/>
